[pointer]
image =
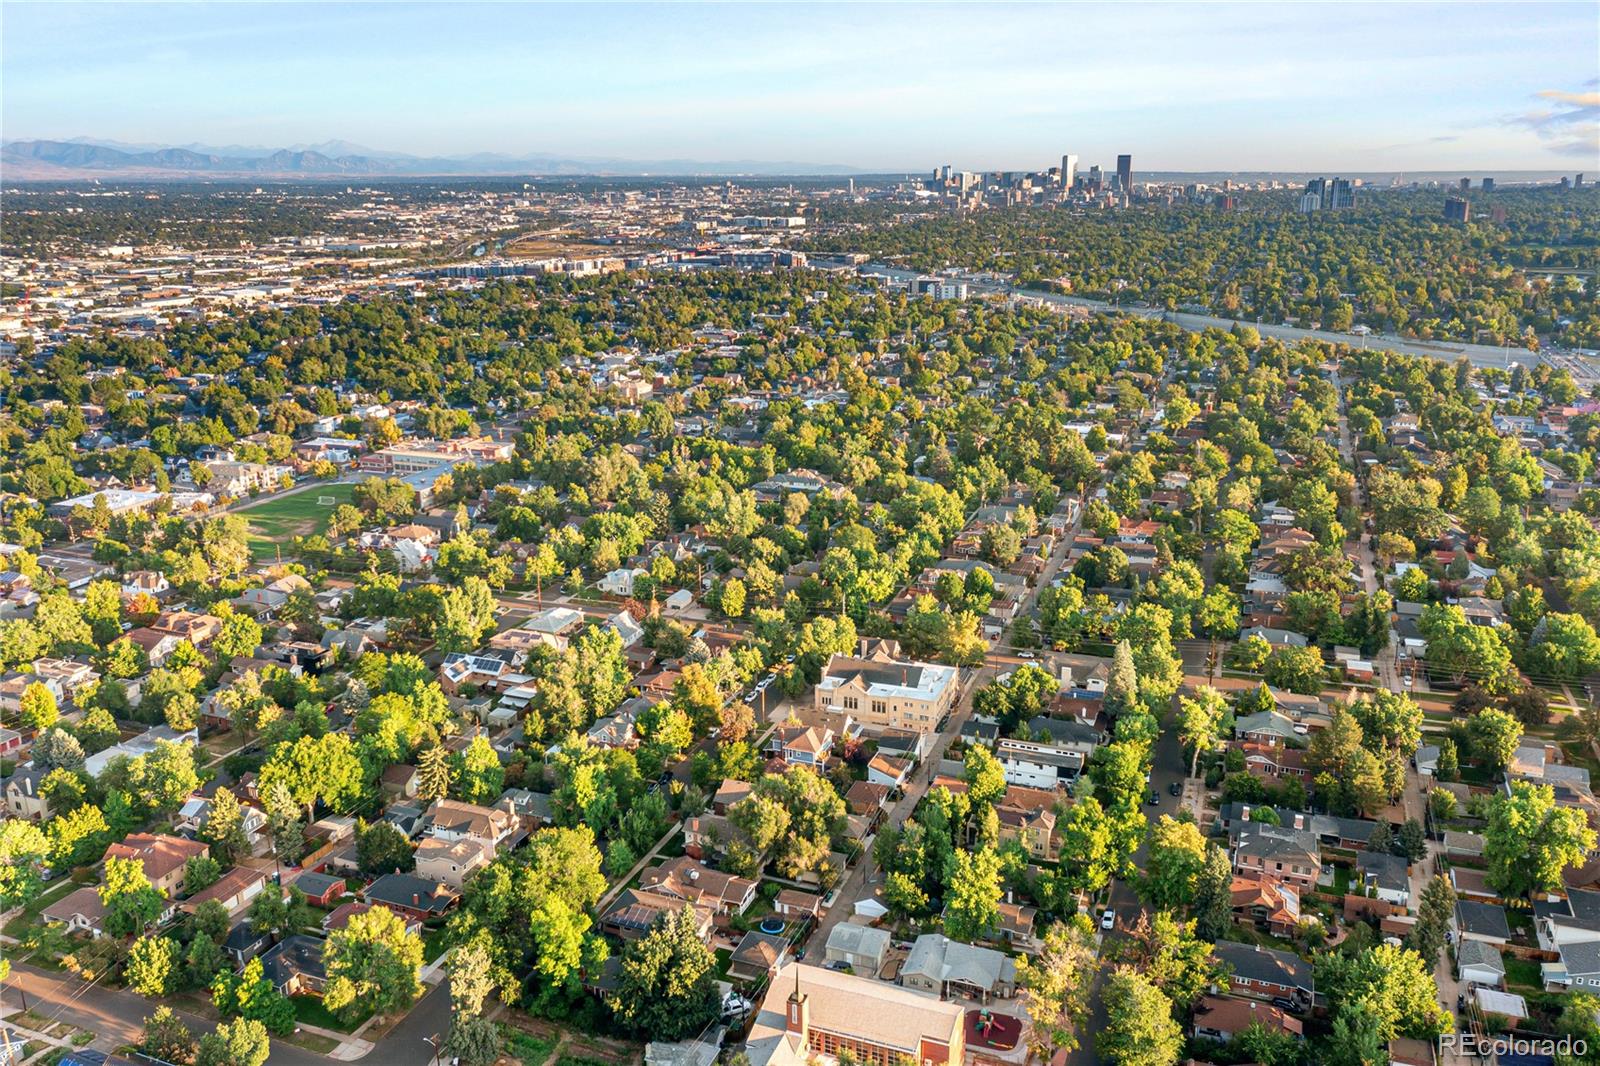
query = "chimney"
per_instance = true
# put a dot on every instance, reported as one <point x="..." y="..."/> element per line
<point x="797" y="1020"/>
<point x="416" y="900"/>
<point x="1299" y="821"/>
<point x="1244" y="815"/>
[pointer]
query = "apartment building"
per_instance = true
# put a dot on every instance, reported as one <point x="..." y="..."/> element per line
<point x="885" y="693"/>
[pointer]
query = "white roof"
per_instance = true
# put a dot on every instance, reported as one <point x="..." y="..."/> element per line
<point x="1497" y="1002"/>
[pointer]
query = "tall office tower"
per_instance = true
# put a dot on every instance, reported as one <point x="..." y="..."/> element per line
<point x="1466" y="183"/>
<point x="1340" y="194"/>
<point x="1310" y="202"/>
<point x="1069" y="170"/>
<point x="1578" y="183"/>
<point x="946" y="172"/>
<point x="1488" y="185"/>
<point x="1317" y="187"/>
<point x="852" y="186"/>
<point x="1125" y="173"/>
<point x="1095" y="179"/>
<point x="1457" y="210"/>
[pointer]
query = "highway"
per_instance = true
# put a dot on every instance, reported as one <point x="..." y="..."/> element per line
<point x="1478" y="354"/>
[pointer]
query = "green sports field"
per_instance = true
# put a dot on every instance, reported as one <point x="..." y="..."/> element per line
<point x="275" y="524"/>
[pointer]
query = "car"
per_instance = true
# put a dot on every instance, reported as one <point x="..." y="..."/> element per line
<point x="1153" y="798"/>
<point x="1108" y="920"/>
<point x="837" y="964"/>
<point x="764" y="684"/>
<point x="1176" y="788"/>
<point x="1284" y="1003"/>
<point x="1026" y="655"/>
<point x="1410" y="681"/>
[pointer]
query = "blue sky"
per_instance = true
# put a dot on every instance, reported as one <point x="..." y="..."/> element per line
<point x="1182" y="87"/>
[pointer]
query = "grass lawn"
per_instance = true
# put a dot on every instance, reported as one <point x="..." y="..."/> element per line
<point x="433" y="944"/>
<point x="579" y="1060"/>
<point x="1523" y="973"/>
<point x="29" y="917"/>
<point x="277" y="522"/>
<point x="532" y="1050"/>
<point x="308" y="1010"/>
<point x="322" y="1045"/>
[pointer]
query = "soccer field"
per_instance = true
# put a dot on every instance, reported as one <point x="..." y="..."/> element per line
<point x="275" y="524"/>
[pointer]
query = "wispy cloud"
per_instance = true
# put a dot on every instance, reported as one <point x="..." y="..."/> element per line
<point x="1572" y="127"/>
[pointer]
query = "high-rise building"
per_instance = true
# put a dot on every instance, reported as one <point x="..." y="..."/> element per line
<point x="1466" y="183"/>
<point x="1578" y="182"/>
<point x="1340" y="194"/>
<point x="1310" y="202"/>
<point x="1457" y="210"/>
<point x="1488" y="184"/>
<point x="1125" y="173"/>
<point x="1095" y="180"/>
<point x="1069" y="170"/>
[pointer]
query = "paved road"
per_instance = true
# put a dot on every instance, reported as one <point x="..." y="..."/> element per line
<point x="1167" y="766"/>
<point x="117" y="1017"/>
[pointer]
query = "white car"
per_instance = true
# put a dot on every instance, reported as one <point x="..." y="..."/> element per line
<point x="1108" y="920"/>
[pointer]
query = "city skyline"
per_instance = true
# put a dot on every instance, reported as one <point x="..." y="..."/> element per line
<point x="874" y="88"/>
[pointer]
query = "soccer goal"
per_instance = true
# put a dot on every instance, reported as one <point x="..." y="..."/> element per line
<point x="327" y="501"/>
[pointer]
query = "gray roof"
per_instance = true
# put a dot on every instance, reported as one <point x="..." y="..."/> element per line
<point x="1581" y="958"/>
<point x="1477" y="953"/>
<point x="858" y="940"/>
<point x="1388" y="871"/>
<point x="1251" y="962"/>
<point x="1482" y="919"/>
<point x="938" y="958"/>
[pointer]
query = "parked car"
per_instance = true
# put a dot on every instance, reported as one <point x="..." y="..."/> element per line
<point x="1176" y="788"/>
<point x="1108" y="920"/>
<point x="1153" y="798"/>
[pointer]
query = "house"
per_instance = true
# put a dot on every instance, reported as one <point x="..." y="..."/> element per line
<point x="294" y="965"/>
<point x="946" y="968"/>
<point x="244" y="941"/>
<point x="619" y="582"/>
<point x="888" y="771"/>
<point x="555" y="627"/>
<point x="80" y="911"/>
<point x="1479" y="963"/>
<point x="164" y="857"/>
<point x="861" y="947"/>
<point x="23" y="796"/>
<point x="1573" y="920"/>
<point x="810" y="1012"/>
<point x="1578" y="967"/>
<point x="234" y="890"/>
<point x="885" y="693"/>
<point x="1015" y="926"/>
<point x="143" y="744"/>
<point x="10" y="742"/>
<point x="401" y="781"/>
<point x="1265" y="973"/>
<point x="320" y="889"/>
<point x="411" y="896"/>
<point x="454" y="820"/>
<point x="730" y="792"/>
<point x="1480" y="921"/>
<point x="340" y="917"/>
<point x="197" y="629"/>
<point x="1388" y="877"/>
<point x="801" y="745"/>
<point x="1031" y="826"/>
<point x="1033" y="764"/>
<point x="461" y="670"/>
<point x="1267" y="728"/>
<point x="1267" y="903"/>
<point x="636" y="911"/>
<point x="685" y="879"/>
<point x="1291" y="855"/>
<point x="1225" y="1017"/>
<point x="451" y="862"/>
<point x="793" y="903"/>
<point x="757" y="957"/>
<point x="866" y="797"/>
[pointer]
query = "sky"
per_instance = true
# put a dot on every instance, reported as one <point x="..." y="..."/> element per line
<point x="1270" y="86"/>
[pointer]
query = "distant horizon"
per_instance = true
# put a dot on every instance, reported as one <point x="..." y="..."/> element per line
<point x="833" y="171"/>
<point x="871" y="88"/>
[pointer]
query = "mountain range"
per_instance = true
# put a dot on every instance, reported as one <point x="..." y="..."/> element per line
<point x="83" y="157"/>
